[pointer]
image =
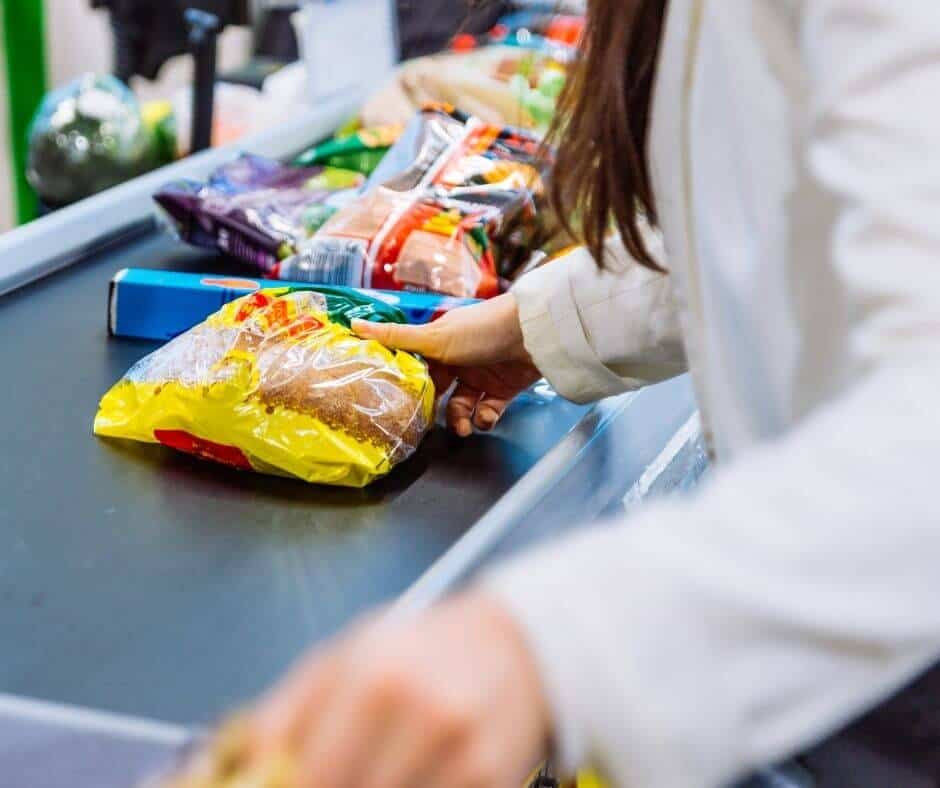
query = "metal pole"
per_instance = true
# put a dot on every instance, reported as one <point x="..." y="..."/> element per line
<point x="203" y="36"/>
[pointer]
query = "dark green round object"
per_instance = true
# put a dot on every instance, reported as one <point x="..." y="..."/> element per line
<point x="86" y="137"/>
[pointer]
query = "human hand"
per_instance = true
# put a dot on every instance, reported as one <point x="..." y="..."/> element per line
<point x="450" y="699"/>
<point x="480" y="347"/>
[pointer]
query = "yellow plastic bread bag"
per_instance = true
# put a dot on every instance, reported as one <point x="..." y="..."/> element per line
<point x="276" y="382"/>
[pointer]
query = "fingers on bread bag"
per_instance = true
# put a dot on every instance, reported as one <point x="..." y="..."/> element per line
<point x="277" y="383"/>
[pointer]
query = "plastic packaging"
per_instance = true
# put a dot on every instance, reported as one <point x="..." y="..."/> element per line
<point x="276" y="382"/>
<point x="509" y="85"/>
<point x="239" y="111"/>
<point x="154" y="304"/>
<point x="86" y="137"/>
<point x="224" y="762"/>
<point x="257" y="209"/>
<point x="361" y="150"/>
<point x="433" y="211"/>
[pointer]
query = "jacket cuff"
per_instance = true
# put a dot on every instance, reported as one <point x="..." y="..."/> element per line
<point x="554" y="336"/>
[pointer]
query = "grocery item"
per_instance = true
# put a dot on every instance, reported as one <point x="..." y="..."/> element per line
<point x="238" y="111"/>
<point x="433" y="212"/>
<point x="223" y="762"/>
<point x="277" y="383"/>
<point x="481" y="82"/>
<point x="360" y="150"/>
<point x="151" y="304"/>
<point x="87" y="136"/>
<point x="257" y="209"/>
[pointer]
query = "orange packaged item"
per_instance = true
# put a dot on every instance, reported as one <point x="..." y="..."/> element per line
<point x="433" y="212"/>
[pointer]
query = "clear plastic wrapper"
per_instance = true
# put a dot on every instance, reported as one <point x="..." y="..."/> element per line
<point x="434" y="212"/>
<point x="87" y="136"/>
<point x="360" y="149"/>
<point x="507" y="85"/>
<point x="276" y="382"/>
<point x="257" y="209"/>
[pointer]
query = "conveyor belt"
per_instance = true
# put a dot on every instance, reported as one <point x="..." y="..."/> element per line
<point x="139" y="580"/>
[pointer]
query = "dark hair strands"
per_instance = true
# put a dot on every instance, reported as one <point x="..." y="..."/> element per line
<point x="601" y="172"/>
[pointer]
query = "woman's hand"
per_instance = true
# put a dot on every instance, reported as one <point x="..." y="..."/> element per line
<point x="480" y="347"/>
<point x="451" y="699"/>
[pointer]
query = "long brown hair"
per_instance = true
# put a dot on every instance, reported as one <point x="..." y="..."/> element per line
<point x="601" y="173"/>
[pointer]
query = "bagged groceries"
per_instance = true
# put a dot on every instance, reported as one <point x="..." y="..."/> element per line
<point x="87" y="136"/>
<point x="361" y="149"/>
<point x="257" y="209"/>
<point x="434" y="211"/>
<point x="225" y="762"/>
<point x="503" y="85"/>
<point x="152" y="304"/>
<point x="277" y="383"/>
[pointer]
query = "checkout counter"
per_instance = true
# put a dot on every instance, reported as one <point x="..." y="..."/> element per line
<point x="143" y="591"/>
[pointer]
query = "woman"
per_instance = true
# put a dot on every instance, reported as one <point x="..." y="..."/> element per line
<point x="787" y="151"/>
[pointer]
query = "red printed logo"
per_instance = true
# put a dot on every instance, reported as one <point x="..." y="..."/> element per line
<point x="202" y="448"/>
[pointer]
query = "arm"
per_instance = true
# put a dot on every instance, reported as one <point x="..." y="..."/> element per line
<point x="595" y="332"/>
<point x="592" y="333"/>
<point x="801" y="586"/>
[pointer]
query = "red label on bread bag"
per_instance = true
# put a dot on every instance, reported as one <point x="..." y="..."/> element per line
<point x="202" y="448"/>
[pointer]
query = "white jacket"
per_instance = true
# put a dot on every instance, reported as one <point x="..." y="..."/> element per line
<point x="796" y="162"/>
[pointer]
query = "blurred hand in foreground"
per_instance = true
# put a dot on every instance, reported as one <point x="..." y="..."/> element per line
<point x="450" y="699"/>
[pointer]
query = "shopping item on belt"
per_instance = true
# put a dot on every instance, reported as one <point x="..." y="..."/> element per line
<point x="503" y="85"/>
<point x="434" y="212"/>
<point x="257" y="209"/>
<point x="360" y="149"/>
<point x="277" y="383"/>
<point x="225" y="762"/>
<point x="145" y="303"/>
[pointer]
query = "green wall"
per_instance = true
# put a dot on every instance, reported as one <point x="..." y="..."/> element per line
<point x="24" y="46"/>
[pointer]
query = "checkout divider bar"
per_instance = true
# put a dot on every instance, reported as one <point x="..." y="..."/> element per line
<point x="65" y="237"/>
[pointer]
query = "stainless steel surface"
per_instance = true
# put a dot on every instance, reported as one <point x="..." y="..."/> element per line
<point x="51" y="746"/>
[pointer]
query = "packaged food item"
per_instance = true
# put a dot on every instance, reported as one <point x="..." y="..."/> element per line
<point x="277" y="383"/>
<point x="481" y="82"/>
<point x="361" y="150"/>
<point x="224" y="762"/>
<point x="257" y="209"/>
<point x="88" y="136"/>
<point x="432" y="213"/>
<point x="152" y="304"/>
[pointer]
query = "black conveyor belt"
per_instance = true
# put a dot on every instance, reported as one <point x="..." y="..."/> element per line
<point x="142" y="581"/>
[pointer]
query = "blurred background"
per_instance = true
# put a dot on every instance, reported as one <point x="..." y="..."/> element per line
<point x="59" y="53"/>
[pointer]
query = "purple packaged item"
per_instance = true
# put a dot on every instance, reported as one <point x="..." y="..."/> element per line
<point x="257" y="209"/>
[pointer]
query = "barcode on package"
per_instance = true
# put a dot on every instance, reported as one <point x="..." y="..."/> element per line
<point x="328" y="261"/>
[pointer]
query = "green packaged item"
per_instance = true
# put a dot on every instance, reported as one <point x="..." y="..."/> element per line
<point x="86" y="137"/>
<point x="360" y="150"/>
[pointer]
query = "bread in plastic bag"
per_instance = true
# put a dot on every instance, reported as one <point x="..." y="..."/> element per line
<point x="277" y="383"/>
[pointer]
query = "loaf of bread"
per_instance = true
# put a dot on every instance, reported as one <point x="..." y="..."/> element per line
<point x="276" y="382"/>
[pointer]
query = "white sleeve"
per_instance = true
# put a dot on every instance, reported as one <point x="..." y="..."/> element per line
<point x="593" y="333"/>
<point x="802" y="584"/>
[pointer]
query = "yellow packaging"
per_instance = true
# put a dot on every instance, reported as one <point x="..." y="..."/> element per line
<point x="277" y="383"/>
